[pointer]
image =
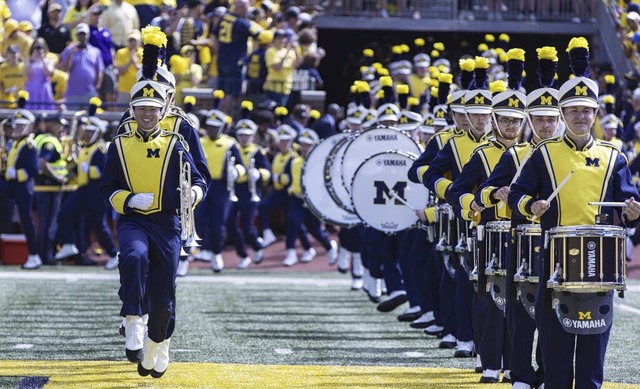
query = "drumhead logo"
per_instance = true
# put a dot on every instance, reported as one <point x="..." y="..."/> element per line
<point x="382" y="192"/>
<point x="382" y="138"/>
<point x="574" y="252"/>
<point x="584" y="321"/>
<point x="591" y="258"/>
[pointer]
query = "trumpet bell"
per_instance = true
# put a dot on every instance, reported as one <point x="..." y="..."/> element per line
<point x="183" y="253"/>
<point x="191" y="242"/>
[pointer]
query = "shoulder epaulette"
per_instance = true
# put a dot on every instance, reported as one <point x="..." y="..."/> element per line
<point x="609" y="144"/>
<point x="481" y="146"/>
<point x="555" y="139"/>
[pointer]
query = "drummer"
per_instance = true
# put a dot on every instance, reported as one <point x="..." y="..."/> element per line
<point x="508" y="121"/>
<point x="544" y="116"/>
<point x="448" y="163"/>
<point x="600" y="174"/>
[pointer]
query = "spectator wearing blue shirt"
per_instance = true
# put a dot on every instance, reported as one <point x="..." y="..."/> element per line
<point x="100" y="38"/>
<point x="231" y="35"/>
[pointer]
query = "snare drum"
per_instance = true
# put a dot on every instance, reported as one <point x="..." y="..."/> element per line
<point x="529" y="240"/>
<point x="371" y="142"/>
<point x="587" y="259"/>
<point x="374" y="179"/>
<point x="315" y="193"/>
<point x="497" y="235"/>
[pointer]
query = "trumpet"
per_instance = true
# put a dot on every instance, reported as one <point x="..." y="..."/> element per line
<point x="3" y="148"/>
<point x="187" y="224"/>
<point x="253" y="183"/>
<point x="70" y="149"/>
<point x="231" y="183"/>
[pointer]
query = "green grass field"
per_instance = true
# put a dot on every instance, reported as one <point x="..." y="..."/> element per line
<point x="251" y="329"/>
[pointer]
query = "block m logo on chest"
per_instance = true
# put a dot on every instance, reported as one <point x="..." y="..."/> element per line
<point x="153" y="153"/>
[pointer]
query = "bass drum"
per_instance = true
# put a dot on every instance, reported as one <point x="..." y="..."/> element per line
<point x="374" y="141"/>
<point x="333" y="182"/>
<point x="315" y="193"/>
<point x="372" y="182"/>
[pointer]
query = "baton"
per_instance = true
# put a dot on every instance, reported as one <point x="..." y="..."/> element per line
<point x="608" y="203"/>
<point x="518" y="171"/>
<point x="555" y="192"/>
<point x="400" y="199"/>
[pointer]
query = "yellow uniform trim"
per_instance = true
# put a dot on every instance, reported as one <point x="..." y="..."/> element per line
<point x="118" y="200"/>
<point x="442" y="185"/>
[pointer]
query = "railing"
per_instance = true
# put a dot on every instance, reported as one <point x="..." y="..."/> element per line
<point x="551" y="10"/>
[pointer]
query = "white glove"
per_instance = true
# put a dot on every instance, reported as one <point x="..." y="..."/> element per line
<point x="11" y="173"/>
<point x="233" y="174"/>
<point x="254" y="174"/>
<point x="142" y="201"/>
<point x="193" y="196"/>
<point x="85" y="167"/>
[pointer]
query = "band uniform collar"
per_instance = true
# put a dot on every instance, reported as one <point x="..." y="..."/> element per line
<point x="147" y="136"/>
<point x="573" y="146"/>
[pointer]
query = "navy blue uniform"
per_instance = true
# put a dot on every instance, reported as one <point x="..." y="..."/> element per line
<point x="601" y="174"/>
<point x="149" y="240"/>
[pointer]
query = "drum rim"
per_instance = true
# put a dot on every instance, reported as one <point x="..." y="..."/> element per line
<point x="529" y="227"/>
<point x="349" y="185"/>
<point x="306" y="197"/>
<point x="327" y="170"/>
<point x="395" y="151"/>
<point x="504" y="226"/>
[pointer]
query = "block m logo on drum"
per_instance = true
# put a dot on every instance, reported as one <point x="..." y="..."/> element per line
<point x="383" y="192"/>
<point x="584" y="315"/>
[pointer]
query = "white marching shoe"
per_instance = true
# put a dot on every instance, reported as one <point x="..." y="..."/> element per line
<point x="291" y="258"/>
<point x="258" y="255"/>
<point x="217" y="264"/>
<point x="308" y="255"/>
<point x="356" y="283"/>
<point x="112" y="263"/>
<point x="183" y="268"/>
<point x="162" y="362"/>
<point x="33" y="262"/>
<point x="67" y="250"/>
<point x="520" y="385"/>
<point x="332" y="254"/>
<point x="205" y="255"/>
<point x="134" y="331"/>
<point x="268" y="237"/>
<point x="244" y="263"/>
<point x="343" y="260"/>
<point x="357" y="268"/>
<point x="150" y="357"/>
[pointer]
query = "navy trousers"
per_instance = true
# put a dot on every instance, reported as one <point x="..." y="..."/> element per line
<point x="21" y="195"/>
<point x="521" y="331"/>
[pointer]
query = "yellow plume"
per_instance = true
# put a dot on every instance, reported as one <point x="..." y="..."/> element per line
<point x="438" y="46"/>
<point x="155" y="38"/>
<point x="380" y="95"/>
<point x="367" y="53"/>
<point x="608" y="99"/>
<point x="95" y="101"/>
<point x="23" y="94"/>
<point x="315" y="114"/>
<point x="578" y="42"/>
<point x="481" y="63"/>
<point x="489" y="38"/>
<point x="610" y="79"/>
<point x="435" y="53"/>
<point x="547" y="52"/>
<point x="402" y="89"/>
<point x="467" y="64"/>
<point x="482" y="47"/>
<point x="353" y="88"/>
<point x="363" y="86"/>
<point x="377" y="65"/>
<point x="419" y="42"/>
<point x="445" y="78"/>
<point x="405" y="48"/>
<point x="282" y="111"/>
<point x="434" y="82"/>
<point x="363" y="68"/>
<point x="383" y="71"/>
<point x="246" y="104"/>
<point x="434" y="91"/>
<point x="497" y="86"/>
<point x="386" y="81"/>
<point x="504" y="37"/>
<point x="412" y="101"/>
<point x="218" y="94"/>
<point x="396" y="50"/>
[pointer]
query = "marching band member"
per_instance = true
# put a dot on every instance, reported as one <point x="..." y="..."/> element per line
<point x="299" y="218"/>
<point x="85" y="201"/>
<point x="544" y="116"/>
<point x="225" y="166"/>
<point x="16" y="182"/>
<point x="508" y="121"/>
<point x="280" y="178"/>
<point x="142" y="172"/>
<point x="449" y="163"/>
<point x="248" y="190"/>
<point x="603" y="175"/>
<point x="53" y="174"/>
<point x="440" y="297"/>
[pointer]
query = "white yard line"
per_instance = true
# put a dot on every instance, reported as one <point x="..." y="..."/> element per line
<point x="628" y="308"/>
<point x="239" y="280"/>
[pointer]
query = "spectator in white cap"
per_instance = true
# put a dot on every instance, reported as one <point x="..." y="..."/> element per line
<point x="85" y="66"/>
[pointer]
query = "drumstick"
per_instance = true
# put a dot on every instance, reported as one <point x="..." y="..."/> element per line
<point x="515" y="177"/>
<point x="608" y="203"/>
<point x="555" y="192"/>
<point x="400" y="199"/>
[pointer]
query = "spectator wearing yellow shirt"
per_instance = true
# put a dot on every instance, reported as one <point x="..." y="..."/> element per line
<point x="12" y="77"/>
<point x="282" y="59"/>
<point x="128" y="60"/>
<point x="76" y="15"/>
<point x="59" y="83"/>
<point x="13" y="36"/>
<point x="5" y="13"/>
<point x="188" y="73"/>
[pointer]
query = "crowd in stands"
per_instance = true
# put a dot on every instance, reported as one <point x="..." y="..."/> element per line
<point x="94" y="49"/>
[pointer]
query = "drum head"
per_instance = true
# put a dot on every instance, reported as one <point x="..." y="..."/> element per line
<point x="377" y="140"/>
<point x="333" y="173"/>
<point x="315" y="193"/>
<point x="372" y="182"/>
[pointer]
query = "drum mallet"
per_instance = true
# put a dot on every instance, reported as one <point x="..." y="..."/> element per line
<point x="608" y="203"/>
<point x="400" y="199"/>
<point x="555" y="192"/>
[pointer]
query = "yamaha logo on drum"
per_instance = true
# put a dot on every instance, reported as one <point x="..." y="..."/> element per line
<point x="382" y="138"/>
<point x="382" y="192"/>
<point x="391" y="162"/>
<point x="591" y="258"/>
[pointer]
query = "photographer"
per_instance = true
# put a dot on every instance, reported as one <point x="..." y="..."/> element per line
<point x="282" y="58"/>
